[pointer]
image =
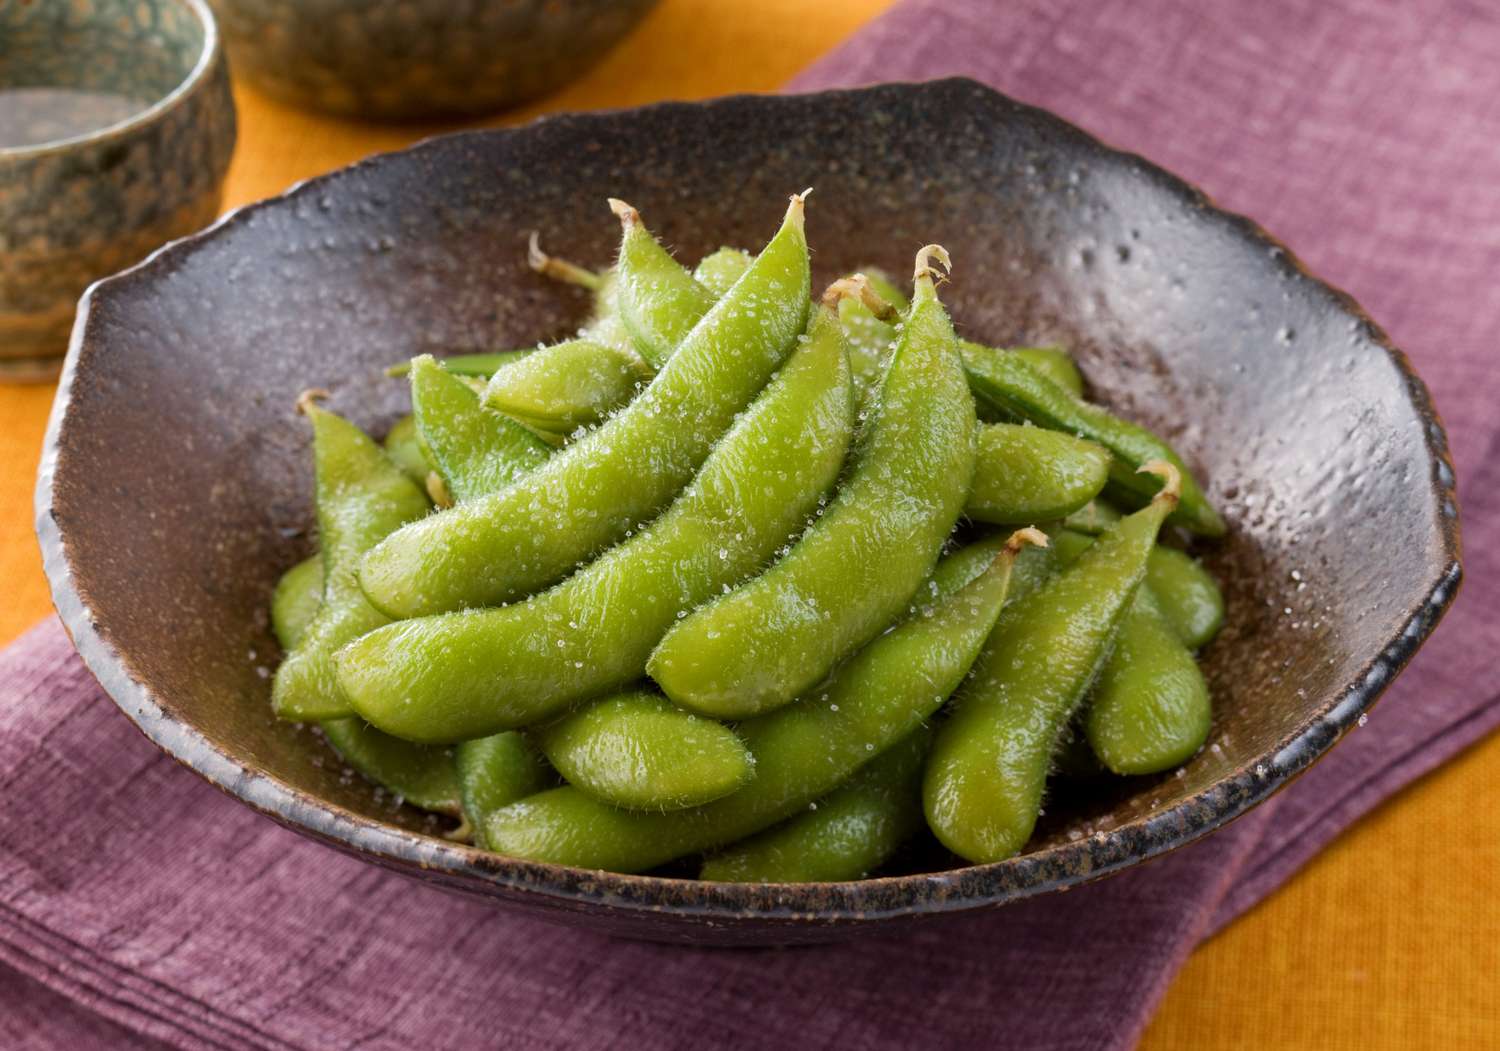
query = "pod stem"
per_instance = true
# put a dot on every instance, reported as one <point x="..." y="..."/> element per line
<point x="437" y="489"/>
<point x="308" y="399"/>
<point x="464" y="833"/>
<point x="857" y="286"/>
<point x="1171" y="480"/>
<point x="794" y="210"/>
<point x="1030" y="536"/>
<point x="560" y="269"/>
<point x="924" y="268"/>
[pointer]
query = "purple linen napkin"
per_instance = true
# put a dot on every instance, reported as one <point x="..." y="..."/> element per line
<point x="139" y="907"/>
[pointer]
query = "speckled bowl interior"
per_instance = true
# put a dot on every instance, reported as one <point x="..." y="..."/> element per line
<point x="176" y="484"/>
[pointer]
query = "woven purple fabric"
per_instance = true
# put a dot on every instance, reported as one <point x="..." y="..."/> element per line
<point x="140" y="908"/>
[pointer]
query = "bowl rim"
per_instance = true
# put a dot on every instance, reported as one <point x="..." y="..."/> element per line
<point x="973" y="887"/>
<point x="208" y="54"/>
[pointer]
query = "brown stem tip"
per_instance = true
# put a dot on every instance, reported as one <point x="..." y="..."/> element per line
<point x="1030" y="536"/>
<point x="857" y="286"/>
<point x="308" y="399"/>
<point x="627" y="213"/>
<point x="924" y="268"/>
<point x="1171" y="479"/>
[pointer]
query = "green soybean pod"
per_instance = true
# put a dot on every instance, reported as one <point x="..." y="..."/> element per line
<point x="802" y="752"/>
<point x="868" y="325"/>
<point x="870" y="342"/>
<point x="418" y="774"/>
<point x="473" y="451"/>
<point x="590" y="494"/>
<point x="658" y="300"/>
<point x="637" y="750"/>
<point x="1093" y="518"/>
<point x="474" y="366"/>
<point x="361" y="496"/>
<point x="1054" y="363"/>
<point x="295" y="601"/>
<point x="403" y="446"/>
<point x="982" y="789"/>
<point x="1011" y="385"/>
<point x="1027" y="474"/>
<point x="884" y="286"/>
<point x="719" y="270"/>
<point x="459" y="675"/>
<point x="1150" y="708"/>
<point x="1188" y="595"/>
<point x="567" y="385"/>
<point x="423" y="776"/>
<point x="845" y="835"/>
<point x="858" y="565"/>
<point x="494" y="772"/>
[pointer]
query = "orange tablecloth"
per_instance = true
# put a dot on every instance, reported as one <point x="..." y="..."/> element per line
<point x="1391" y="939"/>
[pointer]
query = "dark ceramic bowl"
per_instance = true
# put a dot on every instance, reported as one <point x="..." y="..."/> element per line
<point x="405" y="59"/>
<point x="176" y="481"/>
<point x="116" y="126"/>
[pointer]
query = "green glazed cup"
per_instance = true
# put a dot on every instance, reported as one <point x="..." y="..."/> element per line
<point x="116" y="127"/>
<point x="413" y="59"/>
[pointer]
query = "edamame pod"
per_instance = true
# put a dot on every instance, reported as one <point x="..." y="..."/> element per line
<point x="421" y="775"/>
<point x="459" y="675"/>
<point x="403" y="446"/>
<point x="843" y="836"/>
<point x="473" y="451"/>
<point x="295" y="601"/>
<point x="1054" y="363"/>
<point x="567" y="385"/>
<point x="983" y="785"/>
<point x="1033" y="566"/>
<point x="884" y="286"/>
<point x="802" y="752"/>
<point x="361" y="497"/>
<point x="1010" y="384"/>
<point x="719" y="270"/>
<point x="870" y="341"/>
<point x="858" y="565"/>
<point x="475" y="366"/>
<point x="1188" y="595"/>
<point x="1150" y="709"/>
<point x="496" y="771"/>
<point x="1027" y="474"/>
<point x="1093" y="518"/>
<point x="658" y="300"/>
<point x="590" y="494"/>
<point x="637" y="750"/>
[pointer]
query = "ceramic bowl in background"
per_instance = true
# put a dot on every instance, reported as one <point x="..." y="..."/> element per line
<point x="407" y="59"/>
<point x="1311" y="432"/>
<point x="116" y="127"/>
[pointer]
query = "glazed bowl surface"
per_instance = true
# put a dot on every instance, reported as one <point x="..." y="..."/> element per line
<point x="116" y="129"/>
<point x="176" y="482"/>
<point x="410" y="59"/>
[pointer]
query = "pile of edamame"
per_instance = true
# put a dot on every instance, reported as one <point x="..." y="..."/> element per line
<point x="743" y="575"/>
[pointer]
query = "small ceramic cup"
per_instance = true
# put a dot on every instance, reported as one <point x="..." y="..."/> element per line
<point x="116" y="127"/>
<point x="408" y="59"/>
